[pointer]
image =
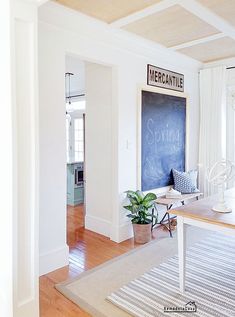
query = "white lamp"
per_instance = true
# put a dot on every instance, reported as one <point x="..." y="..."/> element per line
<point x="220" y="173"/>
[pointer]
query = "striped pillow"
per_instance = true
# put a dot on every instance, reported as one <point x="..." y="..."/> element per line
<point x="185" y="182"/>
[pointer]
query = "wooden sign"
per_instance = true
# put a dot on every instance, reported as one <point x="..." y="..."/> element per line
<point x="164" y="78"/>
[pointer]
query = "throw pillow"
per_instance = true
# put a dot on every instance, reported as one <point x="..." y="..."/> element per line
<point x="185" y="182"/>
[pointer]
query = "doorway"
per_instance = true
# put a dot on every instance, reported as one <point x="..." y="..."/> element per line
<point x="75" y="100"/>
<point x="89" y="118"/>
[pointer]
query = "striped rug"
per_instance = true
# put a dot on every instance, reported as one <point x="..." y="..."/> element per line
<point x="210" y="284"/>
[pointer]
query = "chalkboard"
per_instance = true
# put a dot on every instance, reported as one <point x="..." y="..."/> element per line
<point x="163" y="136"/>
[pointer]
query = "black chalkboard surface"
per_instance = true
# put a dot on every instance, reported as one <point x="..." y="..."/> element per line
<point x="163" y="136"/>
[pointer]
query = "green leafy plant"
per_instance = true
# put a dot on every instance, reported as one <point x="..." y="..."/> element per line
<point x="140" y="206"/>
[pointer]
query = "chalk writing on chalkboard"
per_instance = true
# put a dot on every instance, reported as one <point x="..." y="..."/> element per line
<point x="162" y="138"/>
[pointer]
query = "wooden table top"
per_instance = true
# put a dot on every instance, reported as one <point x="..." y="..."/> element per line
<point x="202" y="210"/>
<point x="170" y="201"/>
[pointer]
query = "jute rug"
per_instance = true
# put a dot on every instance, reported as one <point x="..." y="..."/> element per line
<point x="91" y="289"/>
<point x="210" y="284"/>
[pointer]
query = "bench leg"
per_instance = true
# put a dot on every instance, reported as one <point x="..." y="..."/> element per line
<point x="154" y="223"/>
<point x="163" y="218"/>
<point x="169" y="224"/>
<point x="168" y="219"/>
<point x="152" y="219"/>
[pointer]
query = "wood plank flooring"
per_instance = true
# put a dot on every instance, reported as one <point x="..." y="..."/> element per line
<point x="87" y="250"/>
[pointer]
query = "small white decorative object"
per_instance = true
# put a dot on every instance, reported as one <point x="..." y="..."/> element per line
<point x="220" y="173"/>
<point x="172" y="193"/>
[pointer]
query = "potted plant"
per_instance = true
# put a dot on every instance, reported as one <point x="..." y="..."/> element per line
<point x="141" y="214"/>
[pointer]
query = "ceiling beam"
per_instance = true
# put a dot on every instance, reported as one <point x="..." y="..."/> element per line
<point x="163" y="5"/>
<point x="193" y="7"/>
<point x="199" y="41"/>
<point x="209" y="17"/>
<point x="41" y="2"/>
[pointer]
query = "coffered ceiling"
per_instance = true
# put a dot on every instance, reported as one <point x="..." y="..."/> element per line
<point x="108" y="10"/>
<point x="224" y="8"/>
<point x="166" y="27"/>
<point x="213" y="50"/>
<point x="201" y="29"/>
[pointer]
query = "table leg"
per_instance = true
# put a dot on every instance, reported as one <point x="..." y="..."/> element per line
<point x="181" y="251"/>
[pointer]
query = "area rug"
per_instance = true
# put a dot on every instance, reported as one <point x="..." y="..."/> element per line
<point x="210" y="284"/>
<point x="91" y="288"/>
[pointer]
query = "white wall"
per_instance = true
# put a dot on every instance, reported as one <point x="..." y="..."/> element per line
<point x="94" y="41"/>
<point x="98" y="163"/>
<point x="77" y="81"/>
<point x="52" y="247"/>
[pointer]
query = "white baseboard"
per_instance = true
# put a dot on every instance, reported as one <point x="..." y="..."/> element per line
<point x="125" y="230"/>
<point x="121" y="233"/>
<point x="53" y="260"/>
<point x="98" y="225"/>
<point x="115" y="233"/>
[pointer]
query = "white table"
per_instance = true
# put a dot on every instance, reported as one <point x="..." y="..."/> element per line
<point x="201" y="215"/>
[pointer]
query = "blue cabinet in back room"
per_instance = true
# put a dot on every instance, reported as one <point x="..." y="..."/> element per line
<point x="75" y="183"/>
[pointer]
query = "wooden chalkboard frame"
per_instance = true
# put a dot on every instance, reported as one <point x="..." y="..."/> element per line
<point x="139" y="126"/>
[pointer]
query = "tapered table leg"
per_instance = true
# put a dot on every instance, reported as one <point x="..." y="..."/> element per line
<point x="181" y="251"/>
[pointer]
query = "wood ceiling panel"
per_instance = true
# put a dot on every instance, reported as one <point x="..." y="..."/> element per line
<point x="171" y="27"/>
<point x="223" y="8"/>
<point x="107" y="10"/>
<point x="211" y="51"/>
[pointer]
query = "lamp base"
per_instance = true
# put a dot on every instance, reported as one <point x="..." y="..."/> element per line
<point x="222" y="208"/>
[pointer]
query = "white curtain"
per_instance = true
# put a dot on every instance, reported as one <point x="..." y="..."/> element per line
<point x="230" y="119"/>
<point x="212" y="139"/>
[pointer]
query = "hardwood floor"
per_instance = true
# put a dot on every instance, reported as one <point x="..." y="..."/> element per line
<point x="87" y="250"/>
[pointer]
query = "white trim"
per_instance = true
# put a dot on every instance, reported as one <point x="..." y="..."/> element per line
<point x="114" y="231"/>
<point x="125" y="231"/>
<point x="208" y="16"/>
<point x="228" y="62"/>
<point x="139" y="105"/>
<point x="103" y="229"/>
<point x="98" y="225"/>
<point x="26" y="161"/>
<point x="6" y="162"/>
<point x="209" y="226"/>
<point x="37" y="2"/>
<point x="199" y="41"/>
<point x="40" y="2"/>
<point x="53" y="260"/>
<point x="163" y="5"/>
